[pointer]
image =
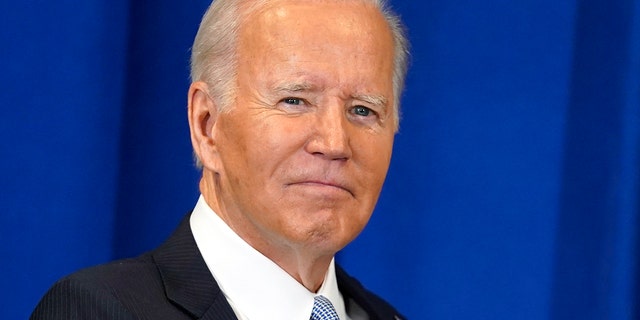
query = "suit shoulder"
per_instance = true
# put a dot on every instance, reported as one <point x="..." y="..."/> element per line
<point x="122" y="289"/>
<point x="79" y="297"/>
<point x="117" y="274"/>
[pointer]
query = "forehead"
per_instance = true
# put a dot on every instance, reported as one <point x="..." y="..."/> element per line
<point x="329" y="36"/>
<point x="306" y="22"/>
<point x="343" y="12"/>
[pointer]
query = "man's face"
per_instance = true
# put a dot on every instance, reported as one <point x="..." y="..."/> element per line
<point x="304" y="150"/>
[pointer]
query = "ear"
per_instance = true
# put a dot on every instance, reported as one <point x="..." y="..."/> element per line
<point x="202" y="114"/>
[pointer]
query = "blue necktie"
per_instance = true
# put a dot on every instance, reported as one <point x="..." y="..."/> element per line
<point x="323" y="309"/>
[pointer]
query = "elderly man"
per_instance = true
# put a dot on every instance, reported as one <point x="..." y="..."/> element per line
<point x="292" y="112"/>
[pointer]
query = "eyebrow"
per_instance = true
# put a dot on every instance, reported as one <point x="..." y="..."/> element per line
<point x="293" y="87"/>
<point x="377" y="100"/>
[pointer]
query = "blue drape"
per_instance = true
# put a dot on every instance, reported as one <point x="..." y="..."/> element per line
<point x="512" y="194"/>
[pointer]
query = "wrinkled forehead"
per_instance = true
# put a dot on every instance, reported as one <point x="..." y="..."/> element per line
<point x="251" y="10"/>
<point x="350" y="20"/>
<point x="296" y="30"/>
<point x="251" y="6"/>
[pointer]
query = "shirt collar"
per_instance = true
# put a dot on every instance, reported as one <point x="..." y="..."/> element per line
<point x="256" y="287"/>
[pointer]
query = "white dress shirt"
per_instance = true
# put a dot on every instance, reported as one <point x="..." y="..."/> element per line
<point x="255" y="287"/>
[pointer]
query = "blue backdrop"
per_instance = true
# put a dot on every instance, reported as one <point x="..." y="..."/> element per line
<point x="513" y="191"/>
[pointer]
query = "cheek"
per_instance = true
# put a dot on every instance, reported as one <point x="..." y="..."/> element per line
<point x="279" y="139"/>
<point x="375" y="156"/>
<point x="372" y="160"/>
<point x="264" y="152"/>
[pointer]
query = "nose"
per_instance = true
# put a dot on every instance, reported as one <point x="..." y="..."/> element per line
<point x="330" y="134"/>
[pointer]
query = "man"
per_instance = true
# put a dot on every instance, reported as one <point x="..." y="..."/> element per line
<point x="292" y="114"/>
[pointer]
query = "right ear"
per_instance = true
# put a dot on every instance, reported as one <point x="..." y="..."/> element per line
<point x="202" y="114"/>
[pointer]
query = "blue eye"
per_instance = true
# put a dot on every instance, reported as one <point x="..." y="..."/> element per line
<point x="294" y="101"/>
<point x="361" y="111"/>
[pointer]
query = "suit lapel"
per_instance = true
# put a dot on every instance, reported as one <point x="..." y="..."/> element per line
<point x="189" y="284"/>
<point x="187" y="280"/>
<point x="376" y="308"/>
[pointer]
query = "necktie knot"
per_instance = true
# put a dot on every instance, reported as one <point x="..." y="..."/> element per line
<point x="323" y="309"/>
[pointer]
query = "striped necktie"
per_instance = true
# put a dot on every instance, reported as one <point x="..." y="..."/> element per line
<point x="323" y="309"/>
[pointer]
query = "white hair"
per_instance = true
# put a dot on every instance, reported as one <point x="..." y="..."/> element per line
<point x="214" y="57"/>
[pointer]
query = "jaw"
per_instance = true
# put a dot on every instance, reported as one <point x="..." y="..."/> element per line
<point x="305" y="252"/>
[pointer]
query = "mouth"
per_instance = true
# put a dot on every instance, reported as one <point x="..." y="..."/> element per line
<point x="322" y="187"/>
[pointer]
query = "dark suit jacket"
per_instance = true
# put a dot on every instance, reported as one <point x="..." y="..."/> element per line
<point x="171" y="282"/>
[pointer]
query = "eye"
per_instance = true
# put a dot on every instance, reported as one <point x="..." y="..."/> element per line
<point x="362" y="111"/>
<point x="293" y="101"/>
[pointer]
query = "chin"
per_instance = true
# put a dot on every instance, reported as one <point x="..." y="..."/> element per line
<point x="330" y="238"/>
<point x="322" y="227"/>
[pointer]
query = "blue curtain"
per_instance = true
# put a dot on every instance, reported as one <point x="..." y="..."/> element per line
<point x="513" y="191"/>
